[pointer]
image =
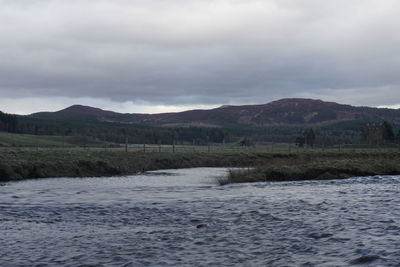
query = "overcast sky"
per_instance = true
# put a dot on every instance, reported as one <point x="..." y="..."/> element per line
<point x="169" y="55"/>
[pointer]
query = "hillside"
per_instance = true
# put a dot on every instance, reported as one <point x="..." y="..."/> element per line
<point x="284" y="112"/>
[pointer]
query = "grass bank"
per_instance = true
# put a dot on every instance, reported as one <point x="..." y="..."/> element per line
<point x="319" y="167"/>
<point x="18" y="164"/>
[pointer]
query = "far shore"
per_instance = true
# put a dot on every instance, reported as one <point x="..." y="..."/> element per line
<point x="318" y="169"/>
<point x="19" y="164"/>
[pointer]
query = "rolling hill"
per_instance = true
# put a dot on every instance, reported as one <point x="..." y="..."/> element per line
<point x="284" y="112"/>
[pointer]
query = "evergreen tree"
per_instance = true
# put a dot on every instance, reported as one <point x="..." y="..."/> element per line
<point x="387" y="130"/>
<point x="309" y="137"/>
<point x="398" y="137"/>
<point x="300" y="140"/>
<point x="8" y="122"/>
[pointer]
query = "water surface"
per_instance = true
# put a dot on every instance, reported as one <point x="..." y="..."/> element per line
<point x="183" y="218"/>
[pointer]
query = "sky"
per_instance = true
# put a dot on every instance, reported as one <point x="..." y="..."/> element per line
<point x="151" y="56"/>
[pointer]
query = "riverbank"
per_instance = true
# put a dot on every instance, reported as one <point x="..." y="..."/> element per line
<point x="318" y="168"/>
<point x="18" y="164"/>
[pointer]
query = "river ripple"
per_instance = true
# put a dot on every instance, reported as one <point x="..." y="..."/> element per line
<point x="183" y="218"/>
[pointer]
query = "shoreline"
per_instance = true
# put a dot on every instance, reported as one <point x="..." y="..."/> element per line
<point x="266" y="166"/>
<point x="30" y="164"/>
<point x="318" y="170"/>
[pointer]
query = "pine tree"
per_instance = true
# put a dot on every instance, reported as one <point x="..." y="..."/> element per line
<point x="387" y="129"/>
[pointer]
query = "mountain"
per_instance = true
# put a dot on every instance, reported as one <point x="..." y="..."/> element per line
<point x="86" y="113"/>
<point x="284" y="112"/>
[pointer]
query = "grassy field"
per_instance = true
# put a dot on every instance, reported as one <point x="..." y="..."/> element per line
<point x="43" y="141"/>
<point x="12" y="140"/>
<point x="40" y="142"/>
<point x="30" y="156"/>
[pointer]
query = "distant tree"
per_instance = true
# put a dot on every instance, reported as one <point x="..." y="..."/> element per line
<point x="36" y="130"/>
<point x="300" y="141"/>
<point x="398" y="137"/>
<point x="246" y="142"/>
<point x="8" y="122"/>
<point x="364" y="132"/>
<point x="387" y="131"/>
<point x="376" y="134"/>
<point x="309" y="137"/>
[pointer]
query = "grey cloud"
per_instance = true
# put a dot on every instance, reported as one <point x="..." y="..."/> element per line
<point x="200" y="52"/>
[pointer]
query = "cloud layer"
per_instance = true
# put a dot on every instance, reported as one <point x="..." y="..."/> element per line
<point x="200" y="52"/>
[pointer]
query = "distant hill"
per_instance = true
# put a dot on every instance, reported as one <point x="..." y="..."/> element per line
<point x="284" y="112"/>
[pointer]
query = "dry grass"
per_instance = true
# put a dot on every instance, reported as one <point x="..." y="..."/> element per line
<point x="19" y="163"/>
<point x="317" y="170"/>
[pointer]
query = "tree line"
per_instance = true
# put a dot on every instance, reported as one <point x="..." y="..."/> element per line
<point x="379" y="134"/>
<point x="120" y="133"/>
<point x="367" y="133"/>
<point x="8" y="122"/>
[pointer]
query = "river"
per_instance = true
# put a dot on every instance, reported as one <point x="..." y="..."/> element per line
<point x="183" y="218"/>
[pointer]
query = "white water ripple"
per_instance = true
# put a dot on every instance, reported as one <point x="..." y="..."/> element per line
<point x="183" y="218"/>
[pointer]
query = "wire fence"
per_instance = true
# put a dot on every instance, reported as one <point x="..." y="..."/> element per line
<point x="227" y="148"/>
